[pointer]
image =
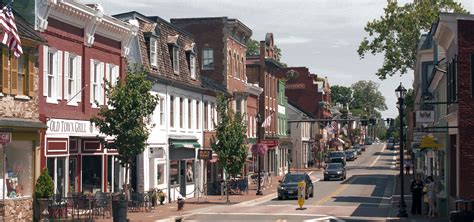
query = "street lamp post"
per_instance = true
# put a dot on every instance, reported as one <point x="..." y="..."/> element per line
<point x="401" y="91"/>
<point x="259" y="137"/>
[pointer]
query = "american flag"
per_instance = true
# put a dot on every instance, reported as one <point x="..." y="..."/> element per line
<point x="268" y="120"/>
<point x="10" y="33"/>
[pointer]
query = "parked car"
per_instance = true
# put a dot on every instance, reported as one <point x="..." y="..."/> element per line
<point x="351" y="155"/>
<point x="368" y="142"/>
<point x="362" y="148"/>
<point x="391" y="146"/>
<point x="335" y="171"/>
<point x="289" y="185"/>
<point x="357" y="149"/>
<point x="337" y="157"/>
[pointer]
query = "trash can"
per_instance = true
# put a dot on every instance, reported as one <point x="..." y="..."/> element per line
<point x="119" y="210"/>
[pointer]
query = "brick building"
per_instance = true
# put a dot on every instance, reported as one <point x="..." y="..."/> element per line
<point x="221" y="42"/>
<point x="262" y="69"/>
<point x="84" y="48"/>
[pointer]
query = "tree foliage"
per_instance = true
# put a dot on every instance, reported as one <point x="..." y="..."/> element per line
<point x="367" y="98"/>
<point x="44" y="187"/>
<point x="253" y="47"/>
<point x="341" y="94"/>
<point x="229" y="141"/>
<point x="126" y="115"/>
<point x="397" y="33"/>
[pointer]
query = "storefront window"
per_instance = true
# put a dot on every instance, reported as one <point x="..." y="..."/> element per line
<point x="18" y="175"/>
<point x="174" y="172"/>
<point x="57" y="171"/>
<point x="91" y="173"/>
<point x="72" y="174"/>
<point x="160" y="174"/>
<point x="190" y="171"/>
<point x="113" y="174"/>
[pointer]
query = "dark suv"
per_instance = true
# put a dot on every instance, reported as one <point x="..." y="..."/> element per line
<point x="289" y="185"/>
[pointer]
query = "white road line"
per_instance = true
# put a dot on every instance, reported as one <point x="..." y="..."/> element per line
<point x="376" y="159"/>
<point x="266" y="214"/>
<point x="321" y="219"/>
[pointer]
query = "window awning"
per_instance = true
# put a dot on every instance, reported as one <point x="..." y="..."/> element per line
<point x="185" y="143"/>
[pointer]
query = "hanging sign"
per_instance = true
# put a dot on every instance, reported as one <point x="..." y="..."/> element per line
<point x="204" y="154"/>
<point x="5" y="138"/>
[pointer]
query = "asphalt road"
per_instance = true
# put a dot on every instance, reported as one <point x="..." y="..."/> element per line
<point x="364" y="195"/>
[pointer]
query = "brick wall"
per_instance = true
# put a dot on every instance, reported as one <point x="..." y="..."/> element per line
<point x="466" y="109"/>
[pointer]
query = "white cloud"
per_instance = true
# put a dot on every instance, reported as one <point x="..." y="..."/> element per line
<point x="293" y="40"/>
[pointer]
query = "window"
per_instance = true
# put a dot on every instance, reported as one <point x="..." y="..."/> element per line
<point x="70" y="77"/>
<point x="206" y="116"/>
<point x="95" y="83"/>
<point x="192" y="66"/>
<point x="181" y="113"/>
<point x="236" y="66"/>
<point x="451" y="81"/>
<point x="190" y="171"/>
<point x="153" y="52"/>
<point x="21" y="75"/>
<point x="190" y="113"/>
<point x="208" y="58"/>
<point x="172" y="111"/>
<point x="160" y="174"/>
<point x="162" y="110"/>
<point x="238" y="106"/>
<point x="18" y="175"/>
<point x="174" y="169"/>
<point x="50" y="72"/>
<point x="175" y="58"/>
<point x="197" y="114"/>
<point x="230" y="63"/>
<point x="213" y="115"/>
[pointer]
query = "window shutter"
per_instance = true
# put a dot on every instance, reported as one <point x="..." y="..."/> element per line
<point x="66" y="76"/>
<point x="108" y="77"/>
<point x="101" y="83"/>
<point x="91" y="84"/>
<point x="45" y="71"/>
<point x="78" y="75"/>
<point x="59" y="76"/>
<point x="14" y="76"/>
<point x="31" y="75"/>
<point x="5" y="72"/>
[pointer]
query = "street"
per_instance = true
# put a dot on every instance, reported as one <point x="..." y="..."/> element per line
<point x="364" y="195"/>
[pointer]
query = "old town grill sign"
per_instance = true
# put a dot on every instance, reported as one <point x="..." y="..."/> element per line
<point x="61" y="126"/>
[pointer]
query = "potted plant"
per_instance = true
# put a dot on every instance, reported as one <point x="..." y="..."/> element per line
<point x="161" y="196"/>
<point x="44" y="189"/>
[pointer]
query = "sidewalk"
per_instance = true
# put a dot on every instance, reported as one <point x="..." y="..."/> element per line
<point x="408" y="201"/>
<point x="194" y="205"/>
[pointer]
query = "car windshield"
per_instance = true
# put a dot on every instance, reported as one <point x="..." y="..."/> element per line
<point x="334" y="166"/>
<point x="293" y="178"/>
<point x="336" y="154"/>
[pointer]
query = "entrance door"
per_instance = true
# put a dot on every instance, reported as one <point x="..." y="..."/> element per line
<point x="182" y="177"/>
<point x="91" y="174"/>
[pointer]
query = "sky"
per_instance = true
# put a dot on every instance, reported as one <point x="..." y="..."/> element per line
<point x="322" y="35"/>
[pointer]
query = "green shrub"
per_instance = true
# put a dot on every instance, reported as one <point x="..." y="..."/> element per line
<point x="44" y="187"/>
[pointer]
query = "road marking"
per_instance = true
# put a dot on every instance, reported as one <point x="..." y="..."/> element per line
<point x="376" y="159"/>
<point x="265" y="213"/>
<point x="322" y="219"/>
<point x="335" y="193"/>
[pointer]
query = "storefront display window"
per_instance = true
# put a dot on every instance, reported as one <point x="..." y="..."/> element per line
<point x="174" y="172"/>
<point x="190" y="171"/>
<point x="72" y="174"/>
<point x="113" y="174"/>
<point x="160" y="174"/>
<point x="18" y="176"/>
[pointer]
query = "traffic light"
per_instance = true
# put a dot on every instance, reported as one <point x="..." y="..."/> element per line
<point x="372" y="121"/>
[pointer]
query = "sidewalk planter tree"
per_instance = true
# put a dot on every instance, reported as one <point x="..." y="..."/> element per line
<point x="44" y="189"/>
<point x="126" y="118"/>
<point x="228" y="143"/>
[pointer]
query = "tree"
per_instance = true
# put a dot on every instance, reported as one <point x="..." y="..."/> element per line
<point x="341" y="94"/>
<point x="368" y="98"/>
<point x="229" y="141"/>
<point x="396" y="34"/>
<point x="126" y="116"/>
<point x="26" y="8"/>
<point x="253" y="47"/>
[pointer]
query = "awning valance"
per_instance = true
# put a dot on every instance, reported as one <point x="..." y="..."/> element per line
<point x="187" y="143"/>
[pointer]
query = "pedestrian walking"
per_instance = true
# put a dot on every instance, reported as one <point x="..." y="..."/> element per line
<point x="432" y="189"/>
<point x="417" y="194"/>
<point x="407" y="167"/>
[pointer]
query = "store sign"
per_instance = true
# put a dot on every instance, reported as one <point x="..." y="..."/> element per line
<point x="429" y="142"/>
<point x="5" y="138"/>
<point x="295" y="86"/>
<point x="204" y="154"/>
<point x="425" y="116"/>
<point x="417" y="136"/>
<point x="62" y="126"/>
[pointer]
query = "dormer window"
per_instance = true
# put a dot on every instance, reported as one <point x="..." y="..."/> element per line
<point x="175" y="58"/>
<point x="153" y="52"/>
<point x="192" y="65"/>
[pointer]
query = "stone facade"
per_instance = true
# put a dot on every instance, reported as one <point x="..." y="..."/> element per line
<point x="23" y="107"/>
<point x="18" y="210"/>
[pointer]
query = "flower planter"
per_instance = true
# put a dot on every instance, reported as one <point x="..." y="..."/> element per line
<point x="119" y="210"/>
